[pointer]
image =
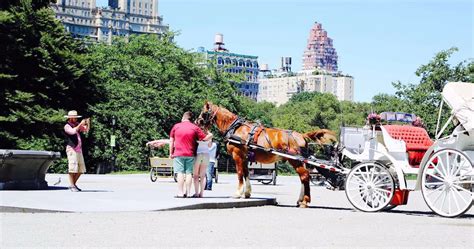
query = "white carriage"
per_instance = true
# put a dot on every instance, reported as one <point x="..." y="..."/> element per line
<point x="388" y="153"/>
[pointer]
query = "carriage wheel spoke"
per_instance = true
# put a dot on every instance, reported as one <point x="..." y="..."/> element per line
<point x="363" y="174"/>
<point x="445" y="194"/>
<point x="357" y="181"/>
<point x="376" y="199"/>
<point x="456" y="201"/>
<point x="387" y="184"/>
<point x="463" y="189"/>
<point x="384" y="191"/>
<point x="460" y="166"/>
<point x="356" y="189"/>
<point x="448" y="169"/>
<point x="380" y="179"/>
<point x="372" y="174"/>
<point x="438" y="190"/>
<point x="434" y="176"/>
<point x="360" y="181"/>
<point x="462" y="197"/>
<point x="464" y="182"/>
<point x="442" y="170"/>
<point x="433" y="183"/>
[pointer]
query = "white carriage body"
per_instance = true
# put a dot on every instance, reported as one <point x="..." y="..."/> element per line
<point x="387" y="153"/>
<point x="367" y="144"/>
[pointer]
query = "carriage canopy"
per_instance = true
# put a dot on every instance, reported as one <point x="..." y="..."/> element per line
<point x="460" y="97"/>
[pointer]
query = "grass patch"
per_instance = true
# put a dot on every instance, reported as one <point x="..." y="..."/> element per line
<point x="411" y="176"/>
<point x="130" y="172"/>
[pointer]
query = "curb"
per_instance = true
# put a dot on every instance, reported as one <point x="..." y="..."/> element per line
<point x="225" y="205"/>
<point x="209" y="205"/>
<point x="6" y="209"/>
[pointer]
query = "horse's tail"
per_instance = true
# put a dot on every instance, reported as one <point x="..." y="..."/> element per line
<point x="322" y="136"/>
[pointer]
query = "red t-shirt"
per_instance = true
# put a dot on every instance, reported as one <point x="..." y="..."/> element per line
<point x="185" y="135"/>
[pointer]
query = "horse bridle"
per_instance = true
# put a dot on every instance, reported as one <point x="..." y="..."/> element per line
<point x="208" y="117"/>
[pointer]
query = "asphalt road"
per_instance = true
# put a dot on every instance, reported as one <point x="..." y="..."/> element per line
<point x="330" y="221"/>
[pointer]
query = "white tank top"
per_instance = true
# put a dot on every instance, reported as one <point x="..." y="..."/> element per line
<point x="203" y="147"/>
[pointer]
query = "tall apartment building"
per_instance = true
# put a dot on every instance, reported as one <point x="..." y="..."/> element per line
<point x="82" y="18"/>
<point x="279" y="88"/>
<point x="235" y="64"/>
<point x="319" y="52"/>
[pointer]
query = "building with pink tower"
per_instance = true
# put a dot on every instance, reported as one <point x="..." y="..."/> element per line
<point x="319" y="52"/>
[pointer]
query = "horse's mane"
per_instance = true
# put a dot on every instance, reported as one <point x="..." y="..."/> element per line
<point x="226" y="114"/>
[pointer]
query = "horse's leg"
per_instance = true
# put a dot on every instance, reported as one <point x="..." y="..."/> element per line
<point x="239" y="166"/>
<point x="305" y="195"/>
<point x="248" y="187"/>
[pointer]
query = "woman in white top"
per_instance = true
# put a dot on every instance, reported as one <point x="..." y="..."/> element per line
<point x="200" y="166"/>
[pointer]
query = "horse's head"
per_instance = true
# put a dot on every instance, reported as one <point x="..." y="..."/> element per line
<point x="208" y="114"/>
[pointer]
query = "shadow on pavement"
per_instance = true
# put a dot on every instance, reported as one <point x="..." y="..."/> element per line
<point x="427" y="214"/>
<point x="318" y="207"/>
<point x="406" y="212"/>
<point x="56" y="188"/>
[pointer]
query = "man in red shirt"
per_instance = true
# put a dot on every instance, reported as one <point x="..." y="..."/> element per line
<point x="183" y="145"/>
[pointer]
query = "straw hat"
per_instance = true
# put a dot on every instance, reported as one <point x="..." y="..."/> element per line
<point x="72" y="114"/>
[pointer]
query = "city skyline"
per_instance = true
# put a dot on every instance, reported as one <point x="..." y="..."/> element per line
<point x="377" y="42"/>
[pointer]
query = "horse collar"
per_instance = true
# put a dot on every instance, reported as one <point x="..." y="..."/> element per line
<point x="233" y="126"/>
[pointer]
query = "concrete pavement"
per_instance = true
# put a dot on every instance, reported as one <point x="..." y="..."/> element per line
<point x="330" y="221"/>
<point x="122" y="193"/>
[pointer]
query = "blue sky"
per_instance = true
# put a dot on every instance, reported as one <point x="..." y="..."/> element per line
<point x="377" y="41"/>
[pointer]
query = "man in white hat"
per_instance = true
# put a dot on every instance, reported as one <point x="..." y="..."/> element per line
<point x="76" y="165"/>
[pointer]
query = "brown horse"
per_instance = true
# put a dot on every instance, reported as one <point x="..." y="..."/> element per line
<point x="290" y="142"/>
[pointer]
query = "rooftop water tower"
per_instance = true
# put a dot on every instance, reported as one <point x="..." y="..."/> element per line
<point x="286" y="64"/>
<point x="219" y="43"/>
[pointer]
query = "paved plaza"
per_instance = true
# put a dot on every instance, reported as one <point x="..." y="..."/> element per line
<point x="118" y="211"/>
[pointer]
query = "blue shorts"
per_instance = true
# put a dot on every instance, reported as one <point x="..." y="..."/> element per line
<point x="183" y="164"/>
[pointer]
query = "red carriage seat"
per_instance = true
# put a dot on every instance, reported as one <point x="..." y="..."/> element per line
<point x="416" y="138"/>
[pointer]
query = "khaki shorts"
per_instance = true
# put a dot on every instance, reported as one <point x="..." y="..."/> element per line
<point x="75" y="161"/>
<point x="202" y="158"/>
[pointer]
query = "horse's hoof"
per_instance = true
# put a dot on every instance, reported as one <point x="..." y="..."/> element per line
<point x="247" y="196"/>
<point x="303" y="205"/>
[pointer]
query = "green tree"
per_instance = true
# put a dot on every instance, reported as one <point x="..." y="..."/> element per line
<point x="147" y="83"/>
<point x="40" y="76"/>
<point x="257" y="111"/>
<point x="424" y="98"/>
<point x="308" y="111"/>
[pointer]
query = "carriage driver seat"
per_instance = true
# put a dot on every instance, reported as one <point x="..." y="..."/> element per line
<point x="416" y="139"/>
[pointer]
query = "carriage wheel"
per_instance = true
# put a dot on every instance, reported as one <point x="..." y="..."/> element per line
<point x="370" y="187"/>
<point x="447" y="183"/>
<point x="266" y="182"/>
<point x="153" y="174"/>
